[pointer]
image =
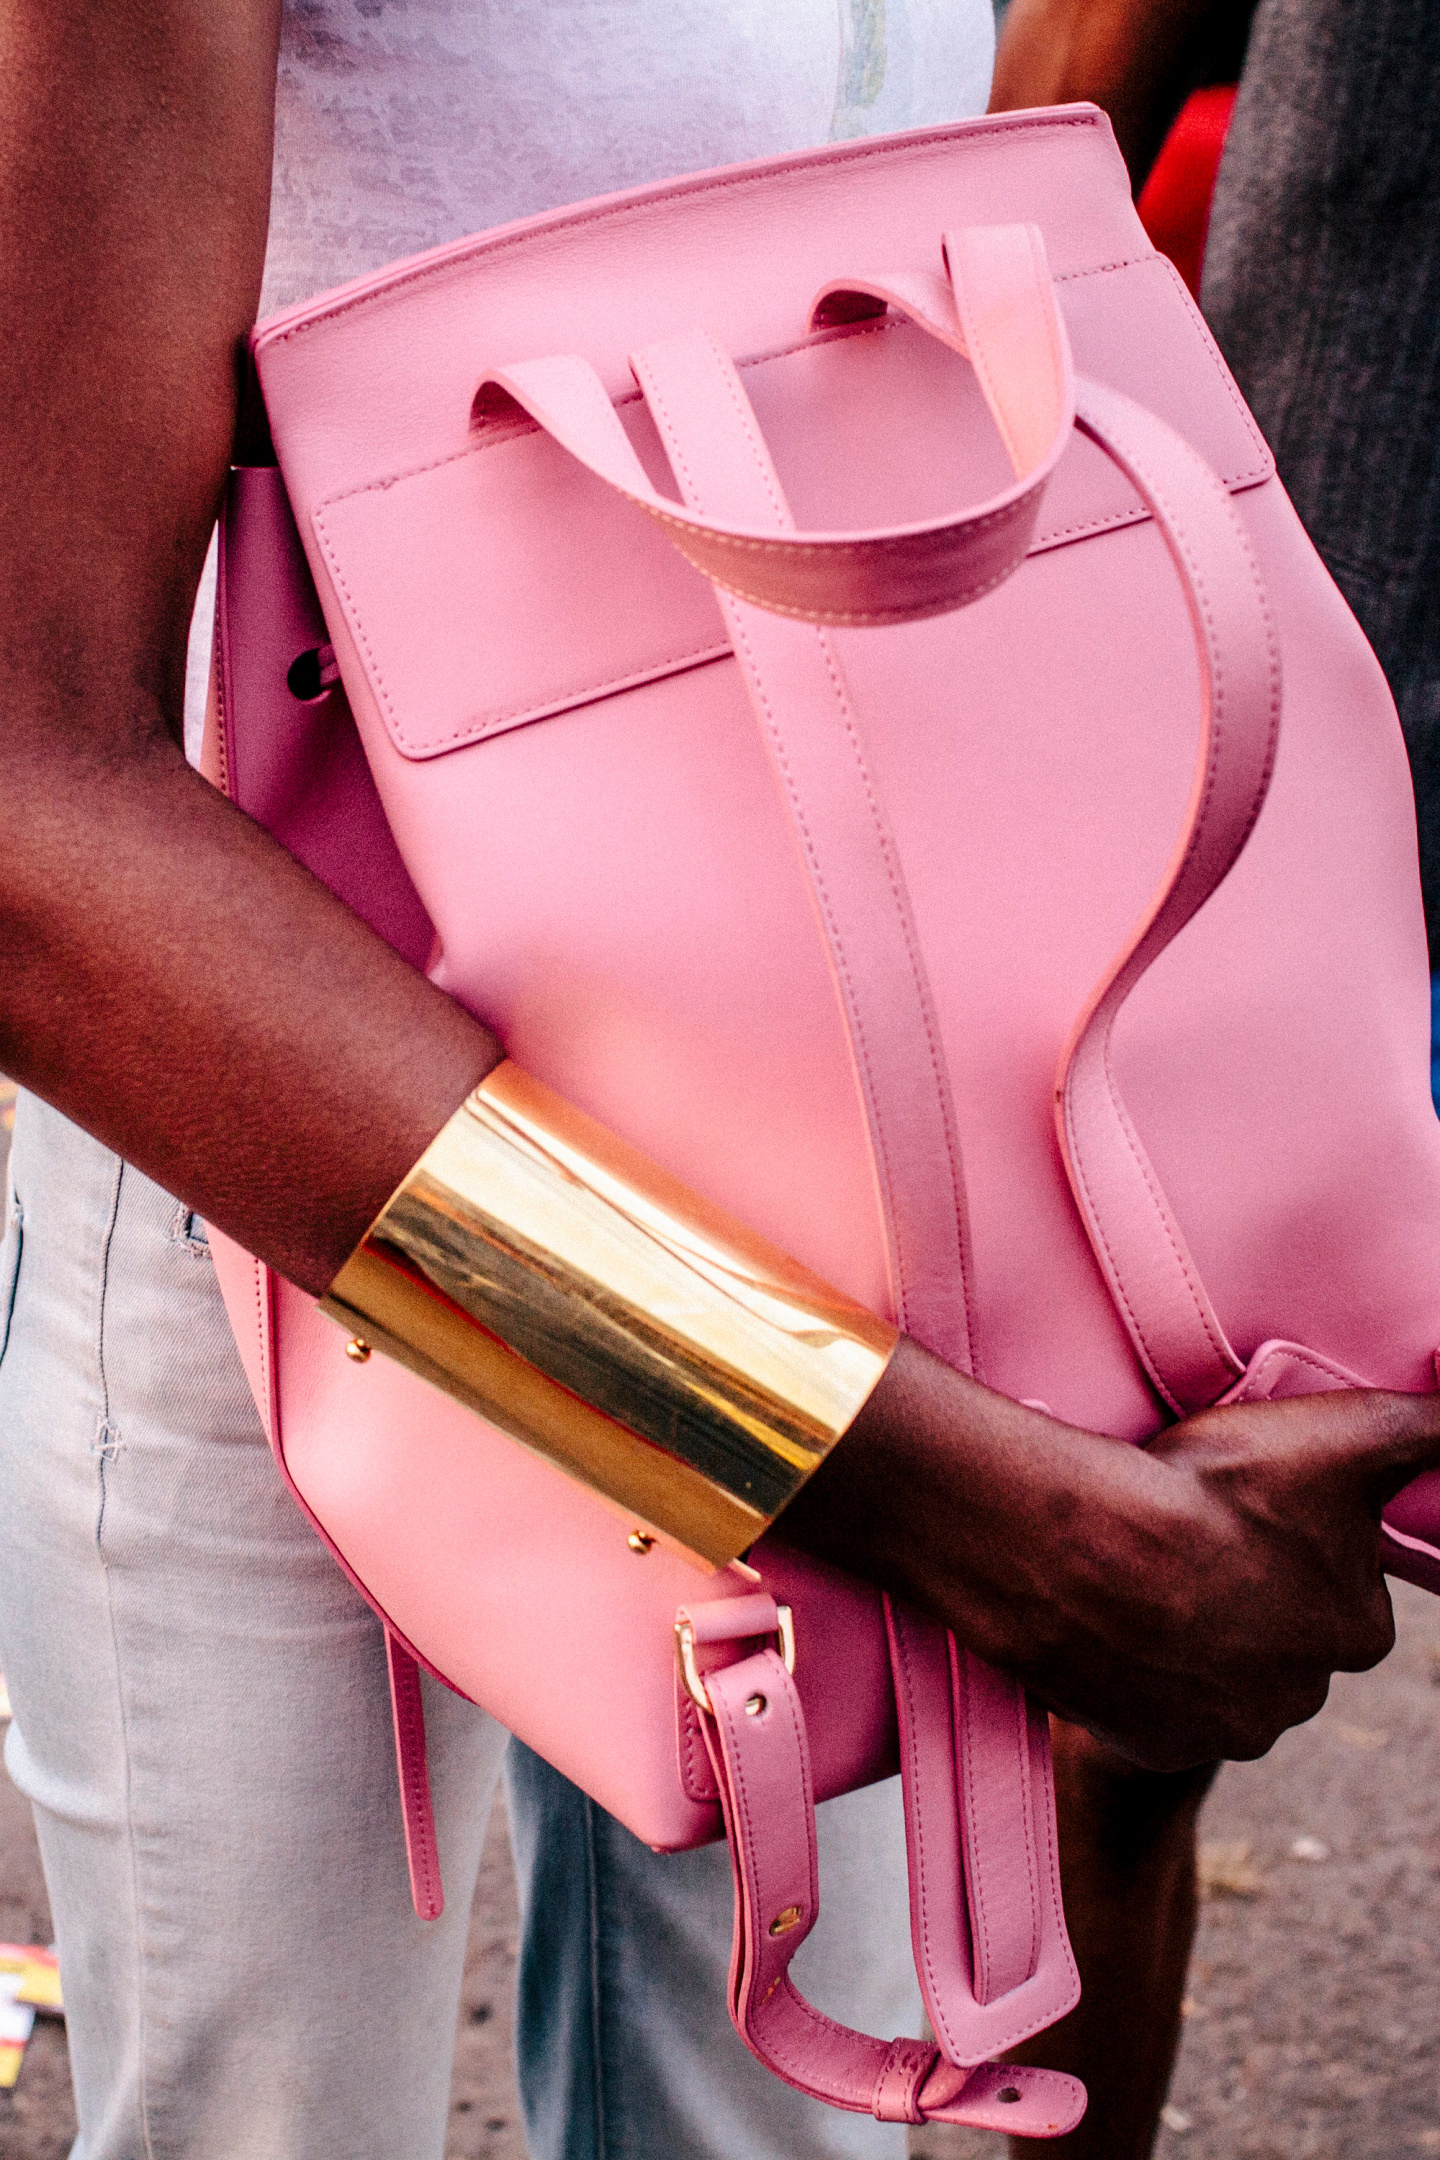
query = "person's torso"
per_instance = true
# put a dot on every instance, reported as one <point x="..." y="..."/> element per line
<point x="401" y="124"/>
<point x="404" y="123"/>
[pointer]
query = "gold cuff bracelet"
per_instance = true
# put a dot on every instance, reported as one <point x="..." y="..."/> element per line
<point x="547" y="1275"/>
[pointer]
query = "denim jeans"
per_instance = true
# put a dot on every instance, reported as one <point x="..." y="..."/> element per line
<point x="202" y="1724"/>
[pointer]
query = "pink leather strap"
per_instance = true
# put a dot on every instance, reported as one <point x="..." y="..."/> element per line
<point x="1140" y="1247"/>
<point x="756" y="1736"/>
<point x="1024" y="1971"/>
<point x="1152" y="1277"/>
<point x="894" y="574"/>
<point x="421" y="1849"/>
<point x="802" y="703"/>
<point x="991" y="1951"/>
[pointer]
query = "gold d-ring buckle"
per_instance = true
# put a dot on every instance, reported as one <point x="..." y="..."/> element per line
<point x="690" y="1671"/>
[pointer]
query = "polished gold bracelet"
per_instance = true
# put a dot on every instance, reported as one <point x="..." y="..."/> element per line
<point x="547" y="1275"/>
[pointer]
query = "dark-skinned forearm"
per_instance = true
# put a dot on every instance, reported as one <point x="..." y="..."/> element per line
<point x="191" y="995"/>
<point x="171" y="978"/>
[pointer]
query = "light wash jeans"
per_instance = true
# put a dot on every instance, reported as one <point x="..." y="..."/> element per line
<point x="202" y="1723"/>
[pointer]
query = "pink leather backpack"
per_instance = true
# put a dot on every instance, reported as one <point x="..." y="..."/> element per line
<point x="931" y="798"/>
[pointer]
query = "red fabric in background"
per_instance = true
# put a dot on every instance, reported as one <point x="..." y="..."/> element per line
<point x="1174" y="203"/>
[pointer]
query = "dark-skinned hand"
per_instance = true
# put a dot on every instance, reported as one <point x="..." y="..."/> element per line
<point x="1183" y="1601"/>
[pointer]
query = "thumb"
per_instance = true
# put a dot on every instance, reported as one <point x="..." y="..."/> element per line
<point x="1392" y="1438"/>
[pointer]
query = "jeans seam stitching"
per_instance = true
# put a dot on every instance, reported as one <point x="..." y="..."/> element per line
<point x="592" y="1869"/>
<point x="106" y="1456"/>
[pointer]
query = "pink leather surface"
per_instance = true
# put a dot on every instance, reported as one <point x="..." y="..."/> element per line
<point x="1035" y="800"/>
<point x="758" y="1743"/>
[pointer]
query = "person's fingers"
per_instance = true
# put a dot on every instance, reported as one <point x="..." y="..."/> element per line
<point x="1381" y="1438"/>
<point x="1401" y="1444"/>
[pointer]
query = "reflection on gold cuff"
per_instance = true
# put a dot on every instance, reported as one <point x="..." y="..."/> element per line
<point x="547" y="1275"/>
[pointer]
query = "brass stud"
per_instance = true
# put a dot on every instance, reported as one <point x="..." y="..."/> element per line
<point x="357" y="1350"/>
<point x="784" y="1921"/>
<point x="754" y="1706"/>
<point x="639" y="1541"/>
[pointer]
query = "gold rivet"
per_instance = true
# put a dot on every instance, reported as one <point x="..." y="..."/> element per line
<point x="784" y="1921"/>
<point x="754" y="1706"/>
<point x="357" y="1349"/>
<point x="638" y="1541"/>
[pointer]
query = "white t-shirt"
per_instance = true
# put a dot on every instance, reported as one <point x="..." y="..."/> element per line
<point x="403" y="123"/>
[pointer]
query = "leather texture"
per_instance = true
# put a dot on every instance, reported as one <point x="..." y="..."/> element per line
<point x="826" y="671"/>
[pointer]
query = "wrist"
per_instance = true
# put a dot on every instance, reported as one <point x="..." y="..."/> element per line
<point x="544" y="1273"/>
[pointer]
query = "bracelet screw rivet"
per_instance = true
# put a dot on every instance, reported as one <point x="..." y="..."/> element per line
<point x="638" y="1541"/>
<point x="754" y="1705"/>
<point x="357" y="1349"/>
<point x="784" y="1921"/>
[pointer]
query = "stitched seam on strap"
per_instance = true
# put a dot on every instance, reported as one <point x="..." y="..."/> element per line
<point x="975" y="1877"/>
<point x="828" y="550"/>
<point x="746" y="419"/>
<point x="737" y="1772"/>
<point x="812" y="855"/>
<point x="842" y="964"/>
<point x="913" y="1750"/>
<point x="856" y="618"/>
<point x="1052" y="1847"/>
<point x="1050" y="317"/>
<point x="902" y="910"/>
<point x="1218" y="722"/>
<point x="1024" y="2028"/>
<point x="1022" y="1753"/>
<point x="417" y="1782"/>
<point x="1180" y="538"/>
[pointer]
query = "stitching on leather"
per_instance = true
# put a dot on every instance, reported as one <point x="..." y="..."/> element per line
<point x="419" y="1820"/>
<point x="1208" y="1322"/>
<point x="917" y="1811"/>
<point x="744" y="414"/>
<point x="879" y="544"/>
<point x="692" y="1740"/>
<point x="782" y="1690"/>
<point x="1267" y="462"/>
<point x="1248" y="476"/>
<point x="858" y="619"/>
<point x="1024" y="1782"/>
<point x="812" y="853"/>
<point x="1044" y="1803"/>
<point x="842" y="963"/>
<point x="272" y="1392"/>
<point x="1292" y="1354"/>
<point x="1132" y="1139"/>
<point x="975" y="1877"/>
<point x="1177" y="532"/>
<point x="1016" y="2032"/>
<point x="921" y="153"/>
<point x="900" y="897"/>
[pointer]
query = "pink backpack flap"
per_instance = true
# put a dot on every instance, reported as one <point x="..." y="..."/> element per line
<point x="817" y="657"/>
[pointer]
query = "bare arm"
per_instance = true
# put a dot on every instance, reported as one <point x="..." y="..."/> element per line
<point x="177" y="984"/>
<point x="1131" y="57"/>
<point x="173" y="980"/>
